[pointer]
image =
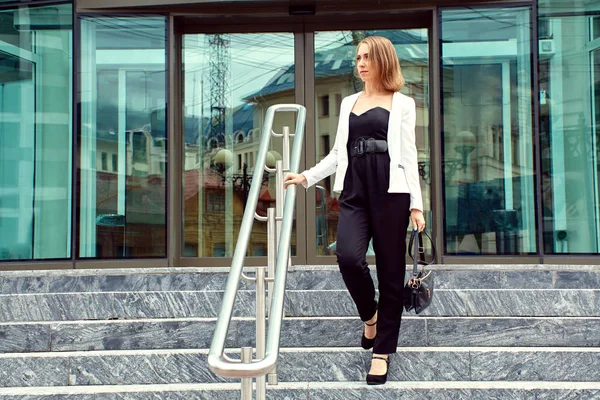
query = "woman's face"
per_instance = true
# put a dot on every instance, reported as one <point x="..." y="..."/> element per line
<point x="366" y="69"/>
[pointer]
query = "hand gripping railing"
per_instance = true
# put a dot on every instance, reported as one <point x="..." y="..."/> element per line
<point x="279" y="244"/>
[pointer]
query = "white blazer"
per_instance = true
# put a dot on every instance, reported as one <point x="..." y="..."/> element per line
<point x="404" y="168"/>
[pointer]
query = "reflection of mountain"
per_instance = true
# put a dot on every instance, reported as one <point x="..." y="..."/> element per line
<point x="108" y="120"/>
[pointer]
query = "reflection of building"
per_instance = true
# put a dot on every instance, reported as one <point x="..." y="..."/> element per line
<point x="139" y="191"/>
<point x="334" y="80"/>
<point x="213" y="188"/>
<point x="145" y="154"/>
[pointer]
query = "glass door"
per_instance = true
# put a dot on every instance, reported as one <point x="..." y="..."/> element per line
<point x="228" y="82"/>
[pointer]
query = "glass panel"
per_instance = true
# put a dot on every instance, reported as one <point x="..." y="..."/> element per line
<point x="123" y="99"/>
<point x="487" y="127"/>
<point x="35" y="133"/>
<point x="229" y="82"/>
<point x="334" y="80"/>
<point x="569" y="65"/>
<point x="547" y="7"/>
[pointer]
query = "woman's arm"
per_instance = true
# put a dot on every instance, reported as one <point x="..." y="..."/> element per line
<point x="322" y="170"/>
<point x="325" y="167"/>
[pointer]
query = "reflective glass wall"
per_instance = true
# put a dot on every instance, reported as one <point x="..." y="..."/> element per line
<point x="229" y="82"/>
<point x="487" y="131"/>
<point x="335" y="79"/>
<point x="123" y="140"/>
<point x="36" y="132"/>
<point x="569" y="82"/>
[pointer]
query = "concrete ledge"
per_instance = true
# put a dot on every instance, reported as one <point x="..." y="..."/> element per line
<point x="304" y="365"/>
<point x="298" y="303"/>
<point x="316" y="391"/>
<point x="299" y="278"/>
<point x="196" y="333"/>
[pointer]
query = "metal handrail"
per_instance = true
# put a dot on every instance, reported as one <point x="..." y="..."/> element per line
<point x="218" y="362"/>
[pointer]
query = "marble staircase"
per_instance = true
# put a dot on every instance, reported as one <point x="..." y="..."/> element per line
<point x="493" y="332"/>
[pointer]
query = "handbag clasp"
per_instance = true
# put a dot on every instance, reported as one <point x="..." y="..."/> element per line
<point x="415" y="283"/>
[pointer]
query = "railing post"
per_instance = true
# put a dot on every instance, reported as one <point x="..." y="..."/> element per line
<point x="246" y="382"/>
<point x="286" y="169"/>
<point x="286" y="149"/>
<point x="261" y="386"/>
<point x="279" y="195"/>
<point x="271" y="253"/>
<point x="279" y="201"/>
<point x="272" y="238"/>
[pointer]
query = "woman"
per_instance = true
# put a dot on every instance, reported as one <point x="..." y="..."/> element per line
<point x="375" y="161"/>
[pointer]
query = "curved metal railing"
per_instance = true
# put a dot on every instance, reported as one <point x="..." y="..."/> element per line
<point x="245" y="367"/>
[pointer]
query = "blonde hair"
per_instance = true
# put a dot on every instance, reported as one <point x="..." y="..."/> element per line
<point x="383" y="54"/>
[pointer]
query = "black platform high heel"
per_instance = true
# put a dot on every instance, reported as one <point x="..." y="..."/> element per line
<point x="364" y="341"/>
<point x="379" y="379"/>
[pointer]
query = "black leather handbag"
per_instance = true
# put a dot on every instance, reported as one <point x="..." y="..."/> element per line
<point x="419" y="288"/>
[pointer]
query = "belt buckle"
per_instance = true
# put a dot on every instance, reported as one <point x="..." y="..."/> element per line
<point x="359" y="146"/>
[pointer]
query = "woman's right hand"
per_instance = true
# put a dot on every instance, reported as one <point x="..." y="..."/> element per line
<point x="293" y="179"/>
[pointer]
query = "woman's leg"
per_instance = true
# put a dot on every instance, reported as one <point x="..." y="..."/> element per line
<point x="390" y="216"/>
<point x="353" y="236"/>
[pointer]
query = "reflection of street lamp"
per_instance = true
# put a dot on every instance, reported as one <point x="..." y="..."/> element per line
<point x="466" y="144"/>
<point x="276" y="157"/>
<point x="224" y="159"/>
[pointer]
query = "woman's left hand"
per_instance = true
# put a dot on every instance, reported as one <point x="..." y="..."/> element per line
<point x="418" y="220"/>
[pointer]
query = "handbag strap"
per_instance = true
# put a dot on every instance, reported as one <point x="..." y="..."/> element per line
<point x="417" y="253"/>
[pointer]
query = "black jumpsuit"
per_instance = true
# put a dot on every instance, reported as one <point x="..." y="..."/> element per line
<point x="368" y="211"/>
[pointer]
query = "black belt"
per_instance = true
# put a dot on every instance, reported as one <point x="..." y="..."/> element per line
<point x="370" y="145"/>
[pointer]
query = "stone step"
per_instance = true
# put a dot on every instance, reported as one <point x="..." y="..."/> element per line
<point x="196" y="333"/>
<point x="319" y="391"/>
<point x="298" y="303"/>
<point x="147" y="367"/>
<point x="300" y="278"/>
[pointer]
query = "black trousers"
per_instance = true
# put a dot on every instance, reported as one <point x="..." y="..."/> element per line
<point x="368" y="211"/>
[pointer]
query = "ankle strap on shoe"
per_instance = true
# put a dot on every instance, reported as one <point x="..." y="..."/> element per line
<point x="386" y="359"/>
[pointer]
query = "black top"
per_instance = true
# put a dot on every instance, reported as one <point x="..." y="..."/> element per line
<point x="373" y="123"/>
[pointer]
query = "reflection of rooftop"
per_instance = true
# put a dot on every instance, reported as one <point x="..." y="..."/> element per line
<point x="210" y="180"/>
<point x="339" y="61"/>
<point x="243" y="120"/>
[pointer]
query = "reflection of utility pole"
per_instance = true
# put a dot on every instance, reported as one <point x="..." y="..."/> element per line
<point x="219" y="80"/>
<point x="357" y="37"/>
<point x="200" y="139"/>
<point x="245" y="183"/>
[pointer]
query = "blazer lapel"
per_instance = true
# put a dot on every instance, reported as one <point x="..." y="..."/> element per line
<point x="394" y="112"/>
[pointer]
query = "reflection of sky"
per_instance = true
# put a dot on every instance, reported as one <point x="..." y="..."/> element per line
<point x="255" y="58"/>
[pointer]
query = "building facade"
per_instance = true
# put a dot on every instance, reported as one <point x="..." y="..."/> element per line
<point x="129" y="129"/>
